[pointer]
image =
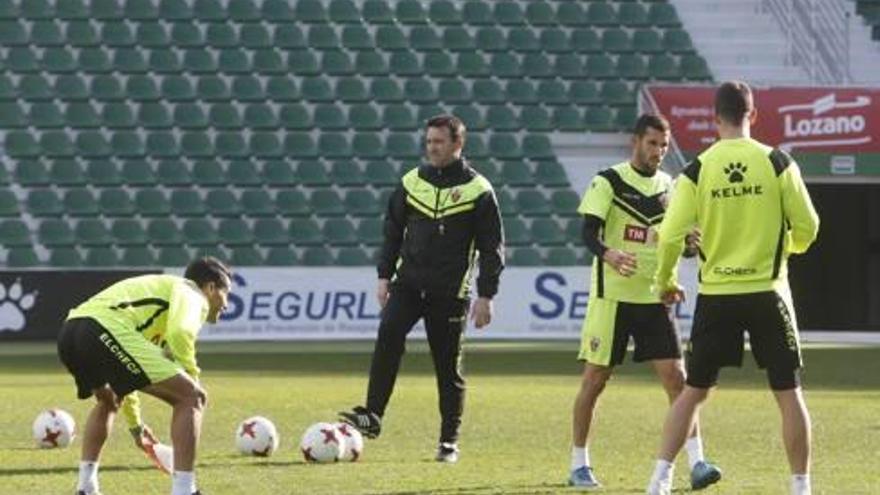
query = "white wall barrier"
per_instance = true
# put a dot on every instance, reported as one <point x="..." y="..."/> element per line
<point x="340" y="303"/>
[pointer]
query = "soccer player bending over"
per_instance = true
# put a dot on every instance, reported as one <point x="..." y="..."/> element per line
<point x="140" y="334"/>
<point x="754" y="211"/>
<point x="621" y="208"/>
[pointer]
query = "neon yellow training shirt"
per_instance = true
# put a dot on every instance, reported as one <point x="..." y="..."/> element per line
<point x="754" y="211"/>
<point x="166" y="310"/>
<point x="631" y="205"/>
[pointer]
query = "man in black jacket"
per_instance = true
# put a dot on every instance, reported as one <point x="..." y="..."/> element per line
<point x="440" y="220"/>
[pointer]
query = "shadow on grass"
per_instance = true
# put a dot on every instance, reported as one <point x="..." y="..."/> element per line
<point x="69" y="470"/>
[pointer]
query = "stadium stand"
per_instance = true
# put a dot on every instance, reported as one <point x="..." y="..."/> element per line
<point x="270" y="132"/>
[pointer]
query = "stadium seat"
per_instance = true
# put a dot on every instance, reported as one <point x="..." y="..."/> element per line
<point x="173" y="173"/>
<point x="523" y="40"/>
<point x="377" y="12"/>
<point x="616" y="40"/>
<point x="55" y="232"/>
<point x="515" y="232"/>
<point x="571" y="14"/>
<point x="352" y="256"/>
<point x="255" y="37"/>
<point x="601" y="67"/>
<point x="243" y="11"/>
<point x="222" y="203"/>
<point x="92" y="144"/>
<point x="147" y="35"/>
<point x="583" y="92"/>
<point x="80" y="202"/>
<point x="65" y="257"/>
<point x="281" y="256"/>
<point x="21" y="144"/>
<point x="37" y="9"/>
<point x="127" y="144"/>
<point x="663" y="15"/>
<point x="506" y="202"/>
<point x="257" y="202"/>
<point x="472" y="117"/>
<point x="292" y="202"/>
<point x="370" y="231"/>
<point x="599" y="119"/>
<point x="552" y="92"/>
<point x="508" y="13"/>
<point x="550" y="174"/>
<point x="9" y="204"/>
<point x="46" y="116"/>
<point x="333" y="145"/>
<point x="92" y="232"/>
<point x="477" y="12"/>
<point x="71" y="87"/>
<point x="677" y="40"/>
<point x="540" y="13"/>
<point x="548" y="232"/>
<point x="532" y="203"/>
<point x="339" y="232"/>
<point x="138" y="256"/>
<point x="175" y="10"/>
<point x="586" y="40"/>
<point x="631" y="67"/>
<point x="521" y="92"/>
<point x="128" y="232"/>
<point x="235" y="232"/>
<point x="381" y="173"/>
<point x="199" y="232"/>
<point x="102" y="173"/>
<point x="362" y="203"/>
<point x="402" y="146"/>
<point x="305" y="232"/>
<point x="410" y="12"/>
<point x="491" y="39"/>
<point x="189" y="116"/>
<point x="346" y="173"/>
<point x="22" y="257"/>
<point x="525" y="256"/>
<point x="317" y="256"/>
<point x="246" y="256"/>
<point x="439" y="64"/>
<point x="602" y="14"/>
<point x="174" y="256"/>
<point x="270" y="232"/>
<point x="537" y="65"/>
<point x="632" y="14"/>
<point x="31" y="173"/>
<point x="424" y="39"/>
<point x="187" y="203"/>
<point x="504" y="146"/>
<point x="617" y="93"/>
<point x="211" y="11"/>
<point x="568" y="66"/>
<point x="141" y="10"/>
<point x="323" y="37"/>
<point x="457" y="39"/>
<point x="694" y="67"/>
<point x="116" y="34"/>
<point x="626" y="117"/>
<point x="561" y="256"/>
<point x="13" y="33"/>
<point x="44" y="203"/>
<point x="152" y="203"/>
<point x="35" y="87"/>
<point x="647" y="41"/>
<point x="71" y="10"/>
<point x="107" y="88"/>
<point x="516" y="174"/>
<point x="344" y="12"/>
<point x="14" y="232"/>
<point x="663" y="67"/>
<point x="555" y="41"/>
<point x="326" y="202"/>
<point x="444" y="12"/>
<point x="101" y="257"/>
<point x="117" y="203"/>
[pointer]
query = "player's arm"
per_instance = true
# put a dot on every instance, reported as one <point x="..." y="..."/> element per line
<point x="131" y="411"/>
<point x="595" y="207"/>
<point x="186" y="314"/>
<point x="677" y="224"/>
<point x="798" y="209"/>
<point x="395" y="223"/>
<point x="489" y="241"/>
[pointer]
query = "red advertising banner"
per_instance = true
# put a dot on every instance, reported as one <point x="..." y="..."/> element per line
<point x="796" y="119"/>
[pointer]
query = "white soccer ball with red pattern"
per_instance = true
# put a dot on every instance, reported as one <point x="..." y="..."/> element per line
<point x="257" y="436"/>
<point x="54" y="429"/>
<point x="352" y="442"/>
<point x="322" y="442"/>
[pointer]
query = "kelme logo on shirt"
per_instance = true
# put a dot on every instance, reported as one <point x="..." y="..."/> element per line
<point x="735" y="172"/>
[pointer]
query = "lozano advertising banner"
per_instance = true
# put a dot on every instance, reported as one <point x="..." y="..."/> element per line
<point x="34" y="304"/>
<point x="797" y="119"/>
<point x="340" y="303"/>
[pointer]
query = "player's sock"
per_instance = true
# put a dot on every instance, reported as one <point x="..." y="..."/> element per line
<point x="580" y="456"/>
<point x="183" y="483"/>
<point x="88" y="476"/>
<point x="694" y="447"/>
<point x="663" y="472"/>
<point x="800" y="484"/>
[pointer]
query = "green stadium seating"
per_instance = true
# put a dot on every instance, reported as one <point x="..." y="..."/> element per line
<point x="344" y="12"/>
<point x="599" y="119"/>
<point x="444" y="12"/>
<point x="663" y="15"/>
<point x="187" y="203"/>
<point x="525" y="256"/>
<point x="138" y="256"/>
<point x="106" y="88"/>
<point x="516" y="233"/>
<point x="32" y="173"/>
<point x="508" y="13"/>
<point x="46" y="116"/>
<point x="540" y="13"/>
<point x="32" y="87"/>
<point x="243" y="11"/>
<point x="505" y="146"/>
<point x="602" y="14"/>
<point x="327" y="202"/>
<point x="173" y="173"/>
<point x="128" y="232"/>
<point x="305" y="232"/>
<point x="586" y="40"/>
<point x="317" y="256"/>
<point x="92" y="232"/>
<point x="548" y="231"/>
<point x="80" y="202"/>
<point x="118" y="34"/>
<point x="82" y="116"/>
<point x="521" y="92"/>
<point x="549" y="173"/>
<point x="377" y="12"/>
<point x="256" y="203"/>
<point x="246" y="256"/>
<point x="22" y="257"/>
<point x="531" y="202"/>
<point x="199" y="232"/>
<point x="369" y="231"/>
<point x="329" y="117"/>
<point x="117" y="203"/>
<point x="14" y="233"/>
<point x="129" y="61"/>
<point x="381" y="173"/>
<point x="552" y="92"/>
<point x="677" y="40"/>
<point x="13" y="33"/>
<point x="175" y="10"/>
<point x="439" y="64"/>
<point x="281" y="256"/>
<point x="65" y="257"/>
<point x="536" y="119"/>
<point x="516" y="173"/>
<point x="506" y="202"/>
<point x="663" y="67"/>
<point x="270" y="232"/>
<point x="147" y="35"/>
<point x="101" y="257"/>
<point x="561" y="256"/>
<point x="9" y="204"/>
<point x="292" y="202"/>
<point x="626" y="117"/>
<point x="21" y="144"/>
<point x="37" y="9"/>
<point x="571" y="14"/>
<point x="55" y="232"/>
<point x="632" y="14"/>
<point x="362" y="203"/>
<point x="477" y="13"/>
<point x="410" y="12"/>
<point x="141" y="10"/>
<point x="235" y="232"/>
<point x="694" y="67"/>
<point x="601" y="67"/>
<point x="152" y="203"/>
<point x="174" y="256"/>
<point x="102" y="173"/>
<point x="194" y="144"/>
<point x="647" y="41"/>
<point x="12" y="116"/>
<point x="352" y="256"/>
<point x="339" y="232"/>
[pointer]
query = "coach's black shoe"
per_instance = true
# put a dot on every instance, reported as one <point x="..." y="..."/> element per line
<point x="447" y="452"/>
<point x="80" y="492"/>
<point x="363" y="420"/>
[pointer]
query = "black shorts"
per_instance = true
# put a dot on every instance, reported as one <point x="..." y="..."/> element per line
<point x="717" y="337"/>
<point x="610" y="324"/>
<point x="91" y="362"/>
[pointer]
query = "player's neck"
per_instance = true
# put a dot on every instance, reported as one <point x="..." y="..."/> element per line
<point x="734" y="132"/>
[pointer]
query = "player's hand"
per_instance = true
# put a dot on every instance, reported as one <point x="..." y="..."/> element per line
<point x="382" y="292"/>
<point x="692" y="242"/>
<point x="672" y="295"/>
<point x="143" y="434"/>
<point x="481" y="312"/>
<point x="623" y="262"/>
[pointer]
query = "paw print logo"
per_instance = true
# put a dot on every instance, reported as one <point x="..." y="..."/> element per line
<point x="735" y="172"/>
<point x="13" y="305"/>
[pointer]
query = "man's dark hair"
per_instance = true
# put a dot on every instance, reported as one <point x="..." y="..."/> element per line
<point x="650" y="121"/>
<point x="208" y="269"/>
<point x="733" y="101"/>
<point x="451" y="122"/>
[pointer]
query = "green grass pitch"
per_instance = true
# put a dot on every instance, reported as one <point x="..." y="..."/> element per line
<point x="515" y="437"/>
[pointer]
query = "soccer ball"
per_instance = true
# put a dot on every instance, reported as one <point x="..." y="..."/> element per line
<point x="352" y="442"/>
<point x="322" y="442"/>
<point x="54" y="429"/>
<point x="256" y="436"/>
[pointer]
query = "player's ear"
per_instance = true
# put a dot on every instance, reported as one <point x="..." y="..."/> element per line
<point x="753" y="116"/>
